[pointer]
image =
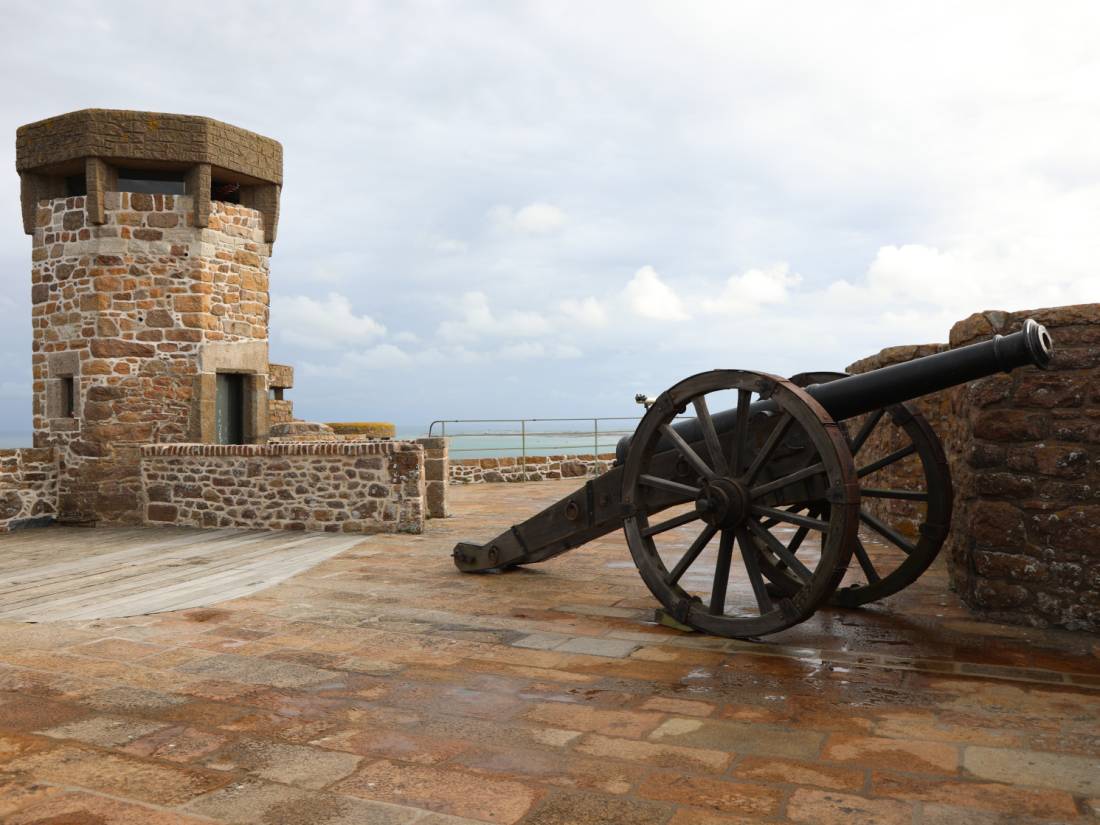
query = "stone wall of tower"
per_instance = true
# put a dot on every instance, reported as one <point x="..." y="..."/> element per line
<point x="141" y="312"/>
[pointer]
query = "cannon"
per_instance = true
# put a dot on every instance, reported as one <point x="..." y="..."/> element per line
<point x="777" y="486"/>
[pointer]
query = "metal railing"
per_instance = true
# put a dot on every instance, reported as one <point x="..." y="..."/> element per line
<point x="519" y="436"/>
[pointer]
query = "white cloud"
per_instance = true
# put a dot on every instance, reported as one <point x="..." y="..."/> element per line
<point x="525" y="350"/>
<point x="533" y="219"/>
<point x="587" y="311"/>
<point x="322" y="324"/>
<point x="449" y="246"/>
<point x="478" y="320"/>
<point x="650" y="297"/>
<point x="753" y="289"/>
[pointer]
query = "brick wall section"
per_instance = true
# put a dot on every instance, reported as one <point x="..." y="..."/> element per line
<point x="538" y="467"/>
<point x="1024" y="450"/>
<point x="28" y="487"/>
<point x="127" y="307"/>
<point x="375" y="487"/>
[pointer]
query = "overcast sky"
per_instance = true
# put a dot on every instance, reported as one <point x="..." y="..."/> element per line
<point x="532" y="209"/>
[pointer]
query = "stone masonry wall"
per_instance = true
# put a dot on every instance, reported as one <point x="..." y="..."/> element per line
<point x="1025" y="545"/>
<point x="28" y="487"/>
<point x="537" y="468"/>
<point x="437" y="474"/>
<point x="1024" y="450"/>
<point x="375" y="487"/>
<point x="126" y="308"/>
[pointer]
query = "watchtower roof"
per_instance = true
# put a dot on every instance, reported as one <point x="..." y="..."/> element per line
<point x="54" y="145"/>
<point x="94" y="151"/>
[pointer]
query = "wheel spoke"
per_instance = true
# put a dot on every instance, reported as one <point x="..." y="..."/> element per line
<point x="692" y="554"/>
<point x="864" y="560"/>
<point x="752" y="567"/>
<point x="778" y="431"/>
<point x="908" y="495"/>
<point x="670" y="486"/>
<point x="741" y="431"/>
<point x="886" y="461"/>
<point x="689" y="454"/>
<point x="790" y="517"/>
<point x="769" y="523"/>
<point x="865" y="431"/>
<point x="801" y="533"/>
<point x="777" y="547"/>
<point x="779" y="483"/>
<point x="721" y="574"/>
<point x="661" y="527"/>
<point x="710" y="434"/>
<point x="886" y="531"/>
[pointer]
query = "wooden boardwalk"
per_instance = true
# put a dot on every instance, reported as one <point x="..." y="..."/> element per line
<point x="59" y="573"/>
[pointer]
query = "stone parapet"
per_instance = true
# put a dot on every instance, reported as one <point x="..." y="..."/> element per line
<point x="368" y="487"/>
<point x="437" y="475"/>
<point x="363" y="429"/>
<point x="535" y="468"/>
<point x="1024" y="450"/>
<point x="28" y="487"/>
<point x="1025" y="545"/>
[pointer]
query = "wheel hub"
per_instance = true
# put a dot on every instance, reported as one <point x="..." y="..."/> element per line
<point x="724" y="503"/>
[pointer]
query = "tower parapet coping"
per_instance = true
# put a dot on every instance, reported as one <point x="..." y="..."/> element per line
<point x="83" y="152"/>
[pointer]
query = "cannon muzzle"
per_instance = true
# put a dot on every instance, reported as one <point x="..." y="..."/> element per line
<point x="860" y="394"/>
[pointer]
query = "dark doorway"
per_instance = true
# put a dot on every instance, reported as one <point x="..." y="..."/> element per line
<point x="230" y="408"/>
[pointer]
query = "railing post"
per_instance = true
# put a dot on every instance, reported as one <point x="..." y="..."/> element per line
<point x="523" y="444"/>
<point x="595" y="442"/>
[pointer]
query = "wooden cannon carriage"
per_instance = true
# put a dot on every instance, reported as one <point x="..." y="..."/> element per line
<point x="764" y="476"/>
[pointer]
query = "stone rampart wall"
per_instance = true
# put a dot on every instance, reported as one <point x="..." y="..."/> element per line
<point x="537" y="468"/>
<point x="28" y="487"/>
<point x="372" y="487"/>
<point x="1024" y="451"/>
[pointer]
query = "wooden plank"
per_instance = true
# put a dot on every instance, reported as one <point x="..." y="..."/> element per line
<point x="242" y="580"/>
<point x="126" y="572"/>
<point x="135" y="568"/>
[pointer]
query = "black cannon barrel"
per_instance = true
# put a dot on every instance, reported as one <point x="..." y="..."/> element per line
<point x="859" y="394"/>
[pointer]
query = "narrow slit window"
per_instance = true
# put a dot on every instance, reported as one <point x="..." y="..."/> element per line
<point x="151" y="182"/>
<point x="68" y="397"/>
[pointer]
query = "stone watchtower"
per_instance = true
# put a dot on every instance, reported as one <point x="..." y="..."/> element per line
<point x="152" y="234"/>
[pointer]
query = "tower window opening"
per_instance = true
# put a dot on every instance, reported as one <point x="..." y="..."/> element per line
<point x="225" y="191"/>
<point x="68" y="397"/>
<point x="150" y="182"/>
<point x="75" y="185"/>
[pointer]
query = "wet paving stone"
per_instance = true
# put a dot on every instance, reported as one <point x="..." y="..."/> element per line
<point x="453" y="792"/>
<point x="103" y="730"/>
<point x="384" y="687"/>
<point x="117" y="775"/>
<point x="564" y="808"/>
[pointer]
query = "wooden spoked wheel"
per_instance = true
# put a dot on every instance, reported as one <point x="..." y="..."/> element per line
<point x="905" y="522"/>
<point x="765" y="464"/>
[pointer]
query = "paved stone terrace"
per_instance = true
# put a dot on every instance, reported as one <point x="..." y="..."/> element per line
<point x="383" y="687"/>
